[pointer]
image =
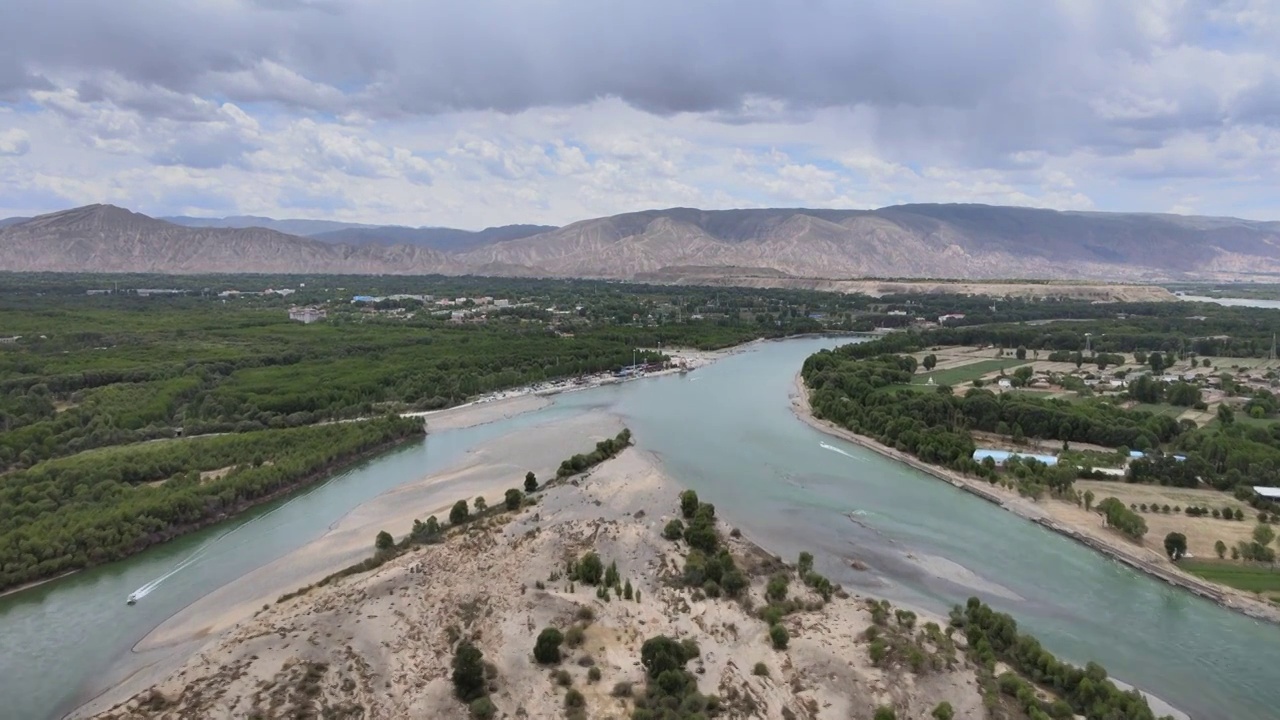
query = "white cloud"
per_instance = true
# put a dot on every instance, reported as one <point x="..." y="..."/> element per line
<point x="14" y="142"/>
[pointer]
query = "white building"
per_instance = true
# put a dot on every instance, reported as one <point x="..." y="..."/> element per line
<point x="307" y="315"/>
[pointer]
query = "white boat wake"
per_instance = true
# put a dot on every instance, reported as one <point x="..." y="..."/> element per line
<point x="187" y="562"/>
<point x="833" y="448"/>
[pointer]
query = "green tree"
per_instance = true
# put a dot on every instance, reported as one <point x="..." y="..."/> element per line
<point x="513" y="499"/>
<point x="530" y="482"/>
<point x="1220" y="548"/>
<point x="1088" y="499"/>
<point x="468" y="672"/>
<point x="590" y="569"/>
<point x="779" y="636"/>
<point x="660" y="654"/>
<point x="611" y="574"/>
<point x="482" y="708"/>
<point x="1021" y="352"/>
<point x="546" y="650"/>
<point x="1226" y="414"/>
<point x="1175" y="545"/>
<point x="1156" y="361"/>
<point x="626" y="590"/>
<point x="1263" y="534"/>
<point x="929" y="362"/>
<point x="776" y="590"/>
<point x="805" y="564"/>
<point x="674" y="529"/>
<point x="384" y="541"/>
<point x="459" y="513"/>
<point x="481" y="505"/>
<point x="943" y="711"/>
<point x="688" y="504"/>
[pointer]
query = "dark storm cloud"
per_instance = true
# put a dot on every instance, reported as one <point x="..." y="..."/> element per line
<point x="987" y="76"/>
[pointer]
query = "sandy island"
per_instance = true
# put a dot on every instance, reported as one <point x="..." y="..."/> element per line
<point x="383" y="637"/>
<point x="1063" y="518"/>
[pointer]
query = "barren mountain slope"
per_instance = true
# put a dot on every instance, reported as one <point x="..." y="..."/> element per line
<point x="925" y="241"/>
<point x="104" y="238"/>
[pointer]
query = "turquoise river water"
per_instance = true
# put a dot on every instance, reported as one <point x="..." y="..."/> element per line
<point x="728" y="432"/>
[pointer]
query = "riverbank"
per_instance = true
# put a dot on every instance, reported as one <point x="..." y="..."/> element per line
<point x="380" y="643"/>
<point x="1094" y="537"/>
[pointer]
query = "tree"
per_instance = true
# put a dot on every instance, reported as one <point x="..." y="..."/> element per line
<point x="611" y="574"/>
<point x="1088" y="499"/>
<point x="1263" y="534"/>
<point x="1156" y="361"/>
<point x="482" y="708"/>
<point x="674" y="530"/>
<point x="384" y="541"/>
<point x="481" y="505"/>
<point x="546" y="650"/>
<point x="779" y="636"/>
<point x="1220" y="548"/>
<point x="468" y="672"/>
<point x="805" y="564"/>
<point x="776" y="590"/>
<point x="1021" y="352"/>
<point x="929" y="362"/>
<point x="688" y="503"/>
<point x="1226" y="414"/>
<point x="627" y="591"/>
<point x="943" y="711"/>
<point x="660" y="654"/>
<point x="590" y="569"/>
<point x="459" y="513"/>
<point x="514" y="498"/>
<point x="1175" y="545"/>
<point x="530" y="482"/>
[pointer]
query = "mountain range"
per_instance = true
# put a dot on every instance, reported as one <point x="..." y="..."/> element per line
<point x="672" y="245"/>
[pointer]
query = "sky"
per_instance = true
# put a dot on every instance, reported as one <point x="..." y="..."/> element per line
<point x="492" y="112"/>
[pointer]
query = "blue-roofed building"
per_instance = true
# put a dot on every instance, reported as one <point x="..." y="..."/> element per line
<point x="1139" y="454"/>
<point x="1002" y="456"/>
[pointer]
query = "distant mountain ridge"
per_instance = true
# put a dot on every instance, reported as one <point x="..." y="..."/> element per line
<point x="679" y="245"/>
<point x="437" y="238"/>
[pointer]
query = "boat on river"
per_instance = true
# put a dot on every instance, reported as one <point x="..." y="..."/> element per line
<point x="133" y="599"/>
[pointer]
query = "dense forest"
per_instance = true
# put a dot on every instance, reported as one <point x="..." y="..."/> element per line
<point x="103" y="505"/>
<point x="864" y="387"/>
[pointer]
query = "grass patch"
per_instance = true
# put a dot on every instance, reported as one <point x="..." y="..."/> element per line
<point x="1160" y="409"/>
<point x="967" y="373"/>
<point x="1252" y="578"/>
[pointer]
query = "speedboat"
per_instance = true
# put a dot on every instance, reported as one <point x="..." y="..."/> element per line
<point x="133" y="599"/>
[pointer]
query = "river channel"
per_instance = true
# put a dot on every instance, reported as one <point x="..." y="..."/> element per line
<point x="727" y="431"/>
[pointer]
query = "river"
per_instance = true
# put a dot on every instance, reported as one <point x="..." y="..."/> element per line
<point x="727" y="431"/>
<point x="1233" y="302"/>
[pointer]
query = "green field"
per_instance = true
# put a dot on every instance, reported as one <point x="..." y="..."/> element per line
<point x="967" y="373"/>
<point x="1160" y="409"/>
<point x="1244" y="577"/>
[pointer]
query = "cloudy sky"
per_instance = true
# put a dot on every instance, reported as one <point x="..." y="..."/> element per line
<point x="489" y="112"/>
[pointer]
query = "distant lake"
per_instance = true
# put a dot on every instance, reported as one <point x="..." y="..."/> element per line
<point x="1233" y="302"/>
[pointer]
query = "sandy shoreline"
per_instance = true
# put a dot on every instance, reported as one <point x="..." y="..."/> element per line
<point x="1098" y="539"/>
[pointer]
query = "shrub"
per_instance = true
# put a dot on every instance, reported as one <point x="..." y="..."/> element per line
<point x="688" y="503"/>
<point x="459" y="513"/>
<point x="590" y="569"/>
<point x="760" y="669"/>
<point x="884" y="712"/>
<point x="593" y="675"/>
<point x="547" y="648"/>
<point x="384" y="541"/>
<point x="574" y="636"/>
<point x="776" y="591"/>
<point x="711" y="589"/>
<point x="468" y="672"/>
<point x="562" y="677"/>
<point x="513" y="499"/>
<point x="574" y="699"/>
<point x="805" y="564"/>
<point x="674" y="530"/>
<point x="482" y="708"/>
<point x="779" y="636"/>
<point x="943" y="711"/>
<point x="621" y="689"/>
<point x="585" y="613"/>
<point x="530" y="482"/>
